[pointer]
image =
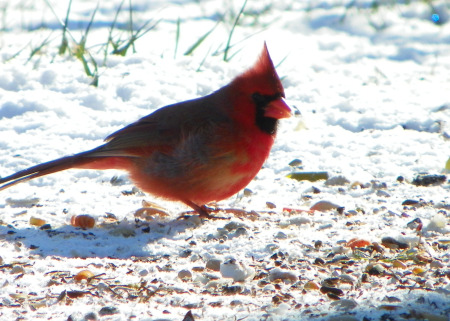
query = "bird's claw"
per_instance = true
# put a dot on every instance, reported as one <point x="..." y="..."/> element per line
<point x="204" y="212"/>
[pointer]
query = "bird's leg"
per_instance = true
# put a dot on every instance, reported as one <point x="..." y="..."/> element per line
<point x="203" y="211"/>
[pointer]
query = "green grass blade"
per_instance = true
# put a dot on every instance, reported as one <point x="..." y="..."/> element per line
<point x="203" y="60"/>
<point x="228" y="45"/>
<point x="132" y="35"/>
<point x="64" y="42"/>
<point x="110" y="37"/>
<point x="200" y="40"/>
<point x="38" y="48"/>
<point x="177" y="38"/>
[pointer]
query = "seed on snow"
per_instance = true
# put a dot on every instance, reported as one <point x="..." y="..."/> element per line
<point x="83" y="221"/>
<point x="311" y="285"/>
<point x="356" y="242"/>
<point x="36" y="221"/>
<point x="83" y="275"/>
<point x="419" y="271"/>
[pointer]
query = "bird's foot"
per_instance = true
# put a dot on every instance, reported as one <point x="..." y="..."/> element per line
<point x="204" y="212"/>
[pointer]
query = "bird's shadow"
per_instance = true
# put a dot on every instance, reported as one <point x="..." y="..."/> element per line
<point x="122" y="240"/>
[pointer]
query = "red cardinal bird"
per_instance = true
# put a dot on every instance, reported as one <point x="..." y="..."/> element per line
<point x="196" y="151"/>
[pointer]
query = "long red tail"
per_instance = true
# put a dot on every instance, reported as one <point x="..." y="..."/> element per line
<point x="87" y="160"/>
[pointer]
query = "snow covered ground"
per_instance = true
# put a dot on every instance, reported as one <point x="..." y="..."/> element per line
<point x="372" y="86"/>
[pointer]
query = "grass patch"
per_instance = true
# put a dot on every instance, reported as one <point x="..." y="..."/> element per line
<point x="121" y="38"/>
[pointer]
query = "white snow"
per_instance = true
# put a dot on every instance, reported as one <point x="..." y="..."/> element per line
<point x="372" y="87"/>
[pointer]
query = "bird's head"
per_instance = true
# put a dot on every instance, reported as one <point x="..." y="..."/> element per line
<point x="259" y="95"/>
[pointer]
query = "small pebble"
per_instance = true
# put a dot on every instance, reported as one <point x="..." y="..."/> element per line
<point x="325" y="226"/>
<point x="319" y="261"/>
<point x="102" y="287"/>
<point x="296" y="163"/>
<point x="323" y="206"/>
<point x="347" y="278"/>
<point x="335" y="291"/>
<point x="91" y="316"/>
<point x="318" y="244"/>
<point x="382" y="193"/>
<point x="233" y="226"/>
<point x="185" y="253"/>
<point x="108" y="311"/>
<point x="301" y="220"/>
<point x="45" y="227"/>
<point x="233" y="289"/>
<point x="185" y="275"/>
<point x="268" y="288"/>
<point x="331" y="282"/>
<point x="337" y="181"/>
<point x="213" y="264"/>
<point x="235" y="303"/>
<point x="270" y="205"/>
<point x="240" y="231"/>
<point x="364" y="277"/>
<point x="236" y="271"/>
<point x="375" y="269"/>
<point x="410" y="202"/>
<point x="392" y="299"/>
<point x="436" y="265"/>
<point x="427" y="180"/>
<point x="17" y="269"/>
<point x="285" y="276"/>
<point x="344" y="304"/>
<point x="392" y="243"/>
<point x="281" y="236"/>
<point x="143" y="272"/>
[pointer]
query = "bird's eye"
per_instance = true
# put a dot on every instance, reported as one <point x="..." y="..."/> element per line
<point x="260" y="100"/>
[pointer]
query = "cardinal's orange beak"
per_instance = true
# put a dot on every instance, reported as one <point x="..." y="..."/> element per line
<point x="278" y="109"/>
